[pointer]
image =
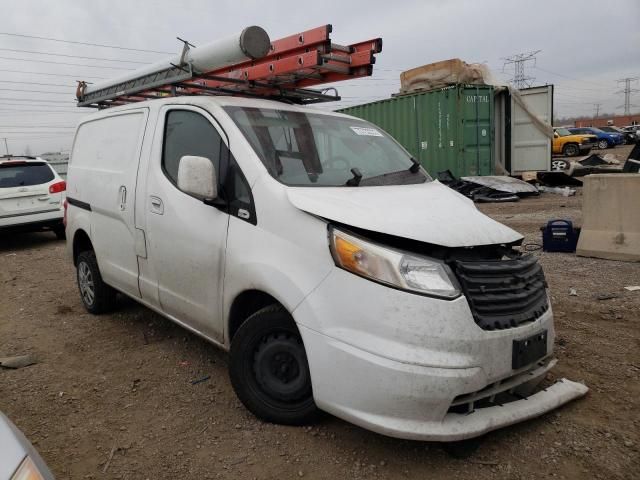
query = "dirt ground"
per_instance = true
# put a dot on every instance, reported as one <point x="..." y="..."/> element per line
<point x="115" y="397"/>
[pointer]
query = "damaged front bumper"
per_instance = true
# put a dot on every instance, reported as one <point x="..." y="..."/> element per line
<point x="421" y="368"/>
<point x="457" y="426"/>
<point x="421" y="403"/>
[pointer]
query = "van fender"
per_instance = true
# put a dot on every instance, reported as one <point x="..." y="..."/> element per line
<point x="267" y="279"/>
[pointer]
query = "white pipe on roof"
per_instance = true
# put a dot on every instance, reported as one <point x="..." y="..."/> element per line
<point x="252" y="43"/>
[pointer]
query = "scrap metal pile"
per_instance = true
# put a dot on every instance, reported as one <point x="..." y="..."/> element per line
<point x="488" y="189"/>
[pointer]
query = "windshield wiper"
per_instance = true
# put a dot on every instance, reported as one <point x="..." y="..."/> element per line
<point x="357" y="176"/>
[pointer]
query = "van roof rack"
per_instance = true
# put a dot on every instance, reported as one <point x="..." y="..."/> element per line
<point x="291" y="66"/>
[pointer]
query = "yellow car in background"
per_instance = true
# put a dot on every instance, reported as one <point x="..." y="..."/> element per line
<point x="570" y="144"/>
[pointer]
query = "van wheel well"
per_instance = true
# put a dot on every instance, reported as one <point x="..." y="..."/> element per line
<point x="81" y="243"/>
<point x="246" y="304"/>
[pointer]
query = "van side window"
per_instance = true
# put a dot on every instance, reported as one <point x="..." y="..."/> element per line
<point x="189" y="133"/>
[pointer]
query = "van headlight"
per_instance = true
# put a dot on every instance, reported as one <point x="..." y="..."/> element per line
<point x="406" y="271"/>
<point x="27" y="471"/>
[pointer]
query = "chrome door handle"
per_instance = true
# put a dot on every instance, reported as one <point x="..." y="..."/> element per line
<point x="123" y="197"/>
<point x="156" y="205"/>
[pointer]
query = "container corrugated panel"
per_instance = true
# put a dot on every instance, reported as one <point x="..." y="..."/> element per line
<point x="448" y="129"/>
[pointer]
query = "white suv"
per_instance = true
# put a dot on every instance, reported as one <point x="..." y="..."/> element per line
<point x="31" y="196"/>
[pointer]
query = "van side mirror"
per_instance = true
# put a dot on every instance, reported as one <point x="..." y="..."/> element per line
<point x="197" y="177"/>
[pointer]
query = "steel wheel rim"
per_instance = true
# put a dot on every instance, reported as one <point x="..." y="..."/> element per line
<point x="85" y="282"/>
<point x="279" y="369"/>
<point x="558" y="165"/>
<point x="603" y="144"/>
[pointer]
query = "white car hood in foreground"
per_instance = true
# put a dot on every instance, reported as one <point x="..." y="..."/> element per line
<point x="428" y="212"/>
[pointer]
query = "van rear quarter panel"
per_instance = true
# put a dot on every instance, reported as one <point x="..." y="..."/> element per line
<point x="104" y="161"/>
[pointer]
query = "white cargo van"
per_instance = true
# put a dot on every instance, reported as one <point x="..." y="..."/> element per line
<point x="340" y="276"/>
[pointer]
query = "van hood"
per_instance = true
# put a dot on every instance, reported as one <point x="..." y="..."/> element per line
<point x="429" y="212"/>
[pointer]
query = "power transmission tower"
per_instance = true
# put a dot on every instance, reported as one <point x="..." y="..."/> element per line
<point x="627" y="93"/>
<point x="596" y="107"/>
<point x="520" y="80"/>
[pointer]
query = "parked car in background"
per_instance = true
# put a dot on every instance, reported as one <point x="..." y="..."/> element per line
<point x="634" y="129"/>
<point x="571" y="145"/>
<point x="18" y="459"/>
<point x="605" y="139"/>
<point x="629" y="137"/>
<point x="31" y="195"/>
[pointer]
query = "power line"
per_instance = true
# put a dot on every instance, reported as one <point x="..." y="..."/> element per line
<point x="519" y="60"/>
<point x="85" y="43"/>
<point x="35" y="100"/>
<point x="568" y="77"/>
<point x="63" y="63"/>
<point x="73" y="56"/>
<point x="32" y="105"/>
<point x="53" y="74"/>
<point x="33" y="91"/>
<point x="20" y="82"/>
<point x="596" y="107"/>
<point x="627" y="93"/>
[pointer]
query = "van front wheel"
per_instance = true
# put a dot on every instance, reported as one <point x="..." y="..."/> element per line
<point x="97" y="297"/>
<point x="269" y="370"/>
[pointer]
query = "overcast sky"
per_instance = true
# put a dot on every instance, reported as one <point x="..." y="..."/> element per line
<point x="585" y="47"/>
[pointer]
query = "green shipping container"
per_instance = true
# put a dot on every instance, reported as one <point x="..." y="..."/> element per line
<point x="448" y="129"/>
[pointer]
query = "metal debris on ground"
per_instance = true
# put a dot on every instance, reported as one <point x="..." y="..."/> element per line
<point x="557" y="179"/>
<point x="564" y="191"/>
<point x="593" y="160"/>
<point x="632" y="288"/>
<point x="606" y="296"/>
<point x="17" y="361"/>
<point x="632" y="165"/>
<point x="489" y="189"/>
<point x="573" y="292"/>
<point x="200" y="380"/>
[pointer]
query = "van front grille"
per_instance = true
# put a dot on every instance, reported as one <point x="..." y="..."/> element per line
<point x="503" y="293"/>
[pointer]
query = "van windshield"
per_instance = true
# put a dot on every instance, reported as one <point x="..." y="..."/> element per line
<point x="308" y="149"/>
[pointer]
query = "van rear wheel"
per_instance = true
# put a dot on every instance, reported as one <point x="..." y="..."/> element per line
<point x="97" y="297"/>
<point x="269" y="370"/>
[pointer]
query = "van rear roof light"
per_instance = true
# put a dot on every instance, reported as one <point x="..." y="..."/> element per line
<point x="286" y="72"/>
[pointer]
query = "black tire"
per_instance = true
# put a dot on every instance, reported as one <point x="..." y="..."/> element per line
<point x="60" y="233"/>
<point x="602" y="144"/>
<point x="269" y="370"/>
<point x="571" y="150"/>
<point x="97" y="297"/>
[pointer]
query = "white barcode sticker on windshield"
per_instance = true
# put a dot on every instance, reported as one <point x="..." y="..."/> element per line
<point x="366" y="131"/>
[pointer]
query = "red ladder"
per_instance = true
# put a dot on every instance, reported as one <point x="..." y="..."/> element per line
<point x="293" y="64"/>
